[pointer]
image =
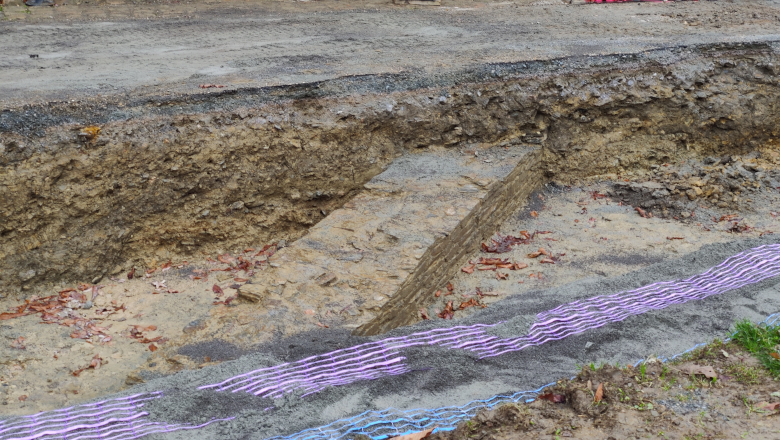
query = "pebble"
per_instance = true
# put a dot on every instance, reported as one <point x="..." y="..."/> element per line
<point x="87" y="305"/>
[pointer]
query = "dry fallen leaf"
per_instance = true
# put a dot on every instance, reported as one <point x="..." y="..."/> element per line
<point x="501" y="276"/>
<point x="218" y="290"/>
<point x="152" y="347"/>
<point x="599" y="393"/>
<point x="547" y="261"/>
<point x="4" y="316"/>
<point x="769" y="406"/>
<point x="470" y="303"/>
<point x="18" y="343"/>
<point x="774" y="355"/>
<point x="554" y="398"/>
<point x="448" y="312"/>
<point x="704" y="370"/>
<point x="424" y="314"/>
<point x="534" y="214"/>
<point x="415" y="435"/>
<point x="96" y="362"/>
<point x="468" y="269"/>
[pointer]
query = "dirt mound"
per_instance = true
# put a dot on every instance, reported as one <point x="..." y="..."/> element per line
<point x="716" y="392"/>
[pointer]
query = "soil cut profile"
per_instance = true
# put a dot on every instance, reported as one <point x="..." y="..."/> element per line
<point x="320" y="259"/>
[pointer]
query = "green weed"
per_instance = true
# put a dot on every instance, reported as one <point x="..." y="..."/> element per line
<point x="760" y="341"/>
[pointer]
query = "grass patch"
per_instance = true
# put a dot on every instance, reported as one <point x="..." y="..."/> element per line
<point x="761" y="341"/>
<point x="744" y="374"/>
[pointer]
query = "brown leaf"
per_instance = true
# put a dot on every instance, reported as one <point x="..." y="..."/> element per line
<point x="501" y="276"/>
<point x="448" y="312"/>
<point x="152" y="347"/>
<point x="470" y="303"/>
<point x="218" y="290"/>
<point x="554" y="398"/>
<point x="642" y="212"/>
<point x="18" y="343"/>
<point x="225" y="258"/>
<point x="96" y="362"/>
<point x="704" y="370"/>
<point x="240" y="280"/>
<point x="534" y="254"/>
<point x="505" y="243"/>
<point x="547" y="261"/>
<point x="534" y="214"/>
<point x="226" y="302"/>
<point x="437" y="294"/>
<point x="23" y="397"/>
<point x="4" y="316"/>
<point x="468" y="269"/>
<point x="769" y="406"/>
<point x="424" y="314"/>
<point x="599" y="393"/>
<point x="450" y="287"/>
<point x="415" y="435"/>
<point x="774" y="355"/>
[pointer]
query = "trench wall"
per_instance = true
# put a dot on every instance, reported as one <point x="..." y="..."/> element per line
<point x="161" y="185"/>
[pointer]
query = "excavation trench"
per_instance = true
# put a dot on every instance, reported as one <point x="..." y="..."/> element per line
<point x="186" y="178"/>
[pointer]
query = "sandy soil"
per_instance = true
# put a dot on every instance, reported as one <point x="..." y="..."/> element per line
<point x="595" y="230"/>
<point x="593" y="236"/>
<point x="140" y="48"/>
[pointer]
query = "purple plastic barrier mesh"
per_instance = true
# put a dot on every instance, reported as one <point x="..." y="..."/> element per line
<point x="740" y="270"/>
<point x="117" y="419"/>
<point x="340" y="367"/>
<point x="122" y="418"/>
<point x="381" y="358"/>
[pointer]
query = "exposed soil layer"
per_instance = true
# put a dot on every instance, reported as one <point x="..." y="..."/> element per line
<point x="249" y="168"/>
<point x="218" y="180"/>
<point x="652" y="400"/>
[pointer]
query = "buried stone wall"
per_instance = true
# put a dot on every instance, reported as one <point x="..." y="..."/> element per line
<point x="443" y="259"/>
<point x="162" y="185"/>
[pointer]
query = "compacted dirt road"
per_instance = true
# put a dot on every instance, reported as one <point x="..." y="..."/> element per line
<point x="172" y="47"/>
